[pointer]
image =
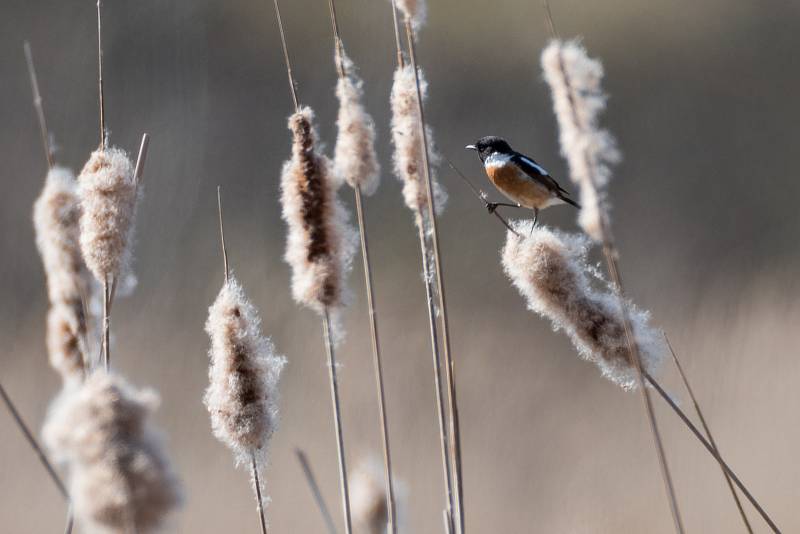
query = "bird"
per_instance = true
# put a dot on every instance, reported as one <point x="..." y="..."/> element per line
<point x="518" y="177"/>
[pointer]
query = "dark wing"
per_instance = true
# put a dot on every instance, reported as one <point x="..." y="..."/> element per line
<point x="537" y="172"/>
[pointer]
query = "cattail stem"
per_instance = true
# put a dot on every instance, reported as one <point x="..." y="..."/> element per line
<point x="437" y="377"/>
<point x="707" y="430"/>
<point x="377" y="364"/>
<point x="455" y="431"/>
<point x="100" y="78"/>
<point x="37" y="104"/>
<point x="106" y="324"/>
<point x="254" y="466"/>
<point x="141" y="159"/>
<point x="396" y="23"/>
<point x="222" y="236"/>
<point x="12" y="409"/>
<point x="711" y="449"/>
<point x="314" y="487"/>
<point x="292" y="85"/>
<point x="337" y="419"/>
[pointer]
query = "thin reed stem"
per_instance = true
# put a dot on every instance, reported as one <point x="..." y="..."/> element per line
<point x="437" y="377"/>
<point x="314" y="487"/>
<point x="254" y="466"/>
<point x="707" y="430"/>
<point x="12" y="409"/>
<point x="711" y="449"/>
<point x="222" y="236"/>
<point x="70" y="521"/>
<point x="100" y="78"/>
<point x="292" y="85"/>
<point x="396" y="24"/>
<point x="391" y="512"/>
<point x="337" y="420"/>
<point x="106" y="324"/>
<point x="455" y="430"/>
<point x="141" y="159"/>
<point x="37" y="104"/>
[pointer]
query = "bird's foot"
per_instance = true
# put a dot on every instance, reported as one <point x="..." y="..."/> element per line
<point x="491" y="206"/>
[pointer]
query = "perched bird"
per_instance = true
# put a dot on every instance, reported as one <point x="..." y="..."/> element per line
<point x="518" y="177"/>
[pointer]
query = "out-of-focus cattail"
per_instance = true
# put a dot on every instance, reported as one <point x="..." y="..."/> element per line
<point x="108" y="203"/>
<point x="242" y="396"/>
<point x="354" y="159"/>
<point x="406" y="135"/>
<point x="368" y="498"/>
<point x="413" y="10"/>
<point x="65" y="328"/>
<point x="56" y="215"/>
<point x="550" y="269"/>
<point x="320" y="243"/>
<point x="578" y="99"/>
<point x="120" y="478"/>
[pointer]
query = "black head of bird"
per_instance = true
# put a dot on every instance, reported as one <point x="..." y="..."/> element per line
<point x="490" y="144"/>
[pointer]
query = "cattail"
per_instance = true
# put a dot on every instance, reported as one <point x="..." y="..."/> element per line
<point x="354" y="159"/>
<point x="413" y="10"/>
<point x="320" y="244"/>
<point x="108" y="200"/>
<point x="56" y="214"/>
<point x="66" y="330"/>
<point x="550" y="269"/>
<point x="578" y="98"/>
<point x="406" y="135"/>
<point x="120" y="479"/>
<point x="242" y="396"/>
<point x="368" y="493"/>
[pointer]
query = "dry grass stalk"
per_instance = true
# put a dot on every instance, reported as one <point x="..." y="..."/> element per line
<point x="37" y="104"/>
<point x="311" y="480"/>
<point x="415" y="11"/>
<point x="550" y="269"/>
<point x="120" y="478"/>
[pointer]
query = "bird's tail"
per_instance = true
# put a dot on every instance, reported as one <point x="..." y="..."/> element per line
<point x="570" y="201"/>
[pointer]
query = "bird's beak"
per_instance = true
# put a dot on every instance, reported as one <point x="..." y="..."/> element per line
<point x="471" y="147"/>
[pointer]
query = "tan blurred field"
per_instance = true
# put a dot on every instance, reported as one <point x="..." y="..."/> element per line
<point x="703" y="104"/>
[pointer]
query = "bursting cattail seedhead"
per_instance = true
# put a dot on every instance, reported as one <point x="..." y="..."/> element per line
<point x="108" y="203"/>
<point x="354" y="158"/>
<point x="66" y="329"/>
<point x="578" y="99"/>
<point x="242" y="396"/>
<point x="550" y="269"/>
<point x="120" y="479"/>
<point x="413" y="10"/>
<point x="368" y="497"/>
<point x="320" y="243"/>
<point x="407" y="138"/>
<point x="56" y="216"/>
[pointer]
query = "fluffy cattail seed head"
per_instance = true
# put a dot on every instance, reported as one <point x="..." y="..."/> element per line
<point x="407" y="138"/>
<point x="108" y="202"/>
<point x="578" y="99"/>
<point x="413" y="10"/>
<point x="354" y="158"/>
<point x="550" y="269"/>
<point x="66" y="332"/>
<point x="242" y="396"/>
<point x="120" y="479"/>
<point x="368" y="497"/>
<point x="320" y="243"/>
<point x="56" y="214"/>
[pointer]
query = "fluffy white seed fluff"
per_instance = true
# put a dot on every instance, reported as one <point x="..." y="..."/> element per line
<point x="108" y="203"/>
<point x="242" y="395"/>
<point x="550" y="269"/>
<point x="120" y="478"/>
<point x="368" y="497"/>
<point x="414" y="10"/>
<point x="406" y="135"/>
<point x="354" y="157"/>
<point x="578" y="99"/>
<point x="320" y="243"/>
<point x="65" y="328"/>
<point x="56" y="216"/>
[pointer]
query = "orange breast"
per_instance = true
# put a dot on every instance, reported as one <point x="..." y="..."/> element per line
<point x="518" y="186"/>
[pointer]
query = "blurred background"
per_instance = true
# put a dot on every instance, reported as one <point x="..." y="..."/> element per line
<point x="703" y="103"/>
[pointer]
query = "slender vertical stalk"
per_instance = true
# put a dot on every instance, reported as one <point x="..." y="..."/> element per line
<point x="292" y="85"/>
<point x="711" y="449"/>
<point x="100" y="79"/>
<point x="222" y="236"/>
<point x="314" y="487"/>
<point x="106" y="324"/>
<point x="455" y="431"/>
<point x="37" y="104"/>
<point x="396" y="24"/>
<point x="258" y="494"/>
<point x="707" y="430"/>
<point x="337" y="420"/>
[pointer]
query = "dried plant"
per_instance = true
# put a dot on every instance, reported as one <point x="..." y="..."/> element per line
<point x="108" y="200"/>
<point x="415" y="11"/>
<point x="242" y="396"/>
<point x="369" y="498"/>
<point x="120" y="478"/>
<point x="578" y="99"/>
<point x="320" y="243"/>
<point x="550" y="269"/>
<point x="354" y="158"/>
<point x="408" y="157"/>
<point x="64" y="342"/>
